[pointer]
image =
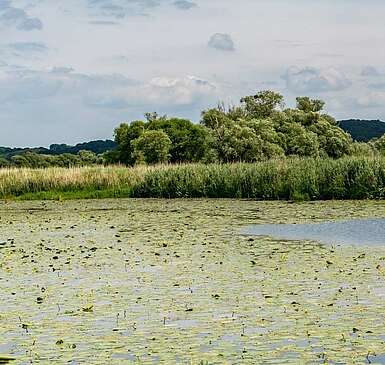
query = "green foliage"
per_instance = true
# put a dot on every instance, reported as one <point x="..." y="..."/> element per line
<point x="124" y="135"/>
<point x="363" y="130"/>
<point x="36" y="160"/>
<point x="257" y="130"/>
<point x="189" y="141"/>
<point x="4" y="162"/>
<point x="379" y="145"/>
<point x="263" y="104"/>
<point x="97" y="147"/>
<point x="152" y="147"/>
<point x="308" y="105"/>
<point x="294" y="179"/>
<point x="274" y="179"/>
<point x="364" y="149"/>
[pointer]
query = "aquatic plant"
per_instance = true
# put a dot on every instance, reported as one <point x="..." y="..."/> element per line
<point x="143" y="281"/>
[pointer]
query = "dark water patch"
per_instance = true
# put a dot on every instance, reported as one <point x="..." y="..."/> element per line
<point x="355" y="232"/>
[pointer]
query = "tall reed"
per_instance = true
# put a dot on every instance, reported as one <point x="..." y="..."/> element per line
<point x="290" y="178"/>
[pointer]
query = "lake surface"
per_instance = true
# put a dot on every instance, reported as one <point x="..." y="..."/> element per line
<point x="356" y="232"/>
<point x="173" y="282"/>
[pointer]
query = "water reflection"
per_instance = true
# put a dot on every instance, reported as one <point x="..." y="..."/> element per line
<point x="356" y="232"/>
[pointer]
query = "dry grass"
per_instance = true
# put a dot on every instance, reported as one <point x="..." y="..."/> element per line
<point x="19" y="181"/>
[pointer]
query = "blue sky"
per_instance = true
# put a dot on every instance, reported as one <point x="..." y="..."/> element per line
<point x="73" y="70"/>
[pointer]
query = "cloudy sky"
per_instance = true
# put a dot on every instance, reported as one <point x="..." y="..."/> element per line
<point x="72" y="70"/>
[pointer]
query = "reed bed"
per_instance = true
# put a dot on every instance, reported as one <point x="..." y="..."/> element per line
<point x="291" y="178"/>
<point x="16" y="182"/>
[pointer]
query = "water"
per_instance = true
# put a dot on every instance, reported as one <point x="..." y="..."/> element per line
<point x="355" y="232"/>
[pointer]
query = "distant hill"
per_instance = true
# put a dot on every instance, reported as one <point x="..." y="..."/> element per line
<point x="363" y="130"/>
<point x="97" y="147"/>
<point x="94" y="146"/>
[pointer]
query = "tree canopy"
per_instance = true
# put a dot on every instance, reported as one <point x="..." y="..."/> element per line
<point x="260" y="127"/>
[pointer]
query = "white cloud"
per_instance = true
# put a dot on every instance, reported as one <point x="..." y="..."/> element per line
<point x="313" y="80"/>
<point x="18" y="18"/>
<point x="110" y="91"/>
<point x="222" y="42"/>
<point x="132" y="56"/>
<point x="62" y="99"/>
<point x="179" y="91"/>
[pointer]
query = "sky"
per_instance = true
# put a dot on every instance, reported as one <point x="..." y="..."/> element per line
<point x="73" y="70"/>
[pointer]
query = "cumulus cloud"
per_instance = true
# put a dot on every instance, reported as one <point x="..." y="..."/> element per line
<point x="313" y="80"/>
<point x="70" y="105"/>
<point x="110" y="91"/>
<point x="184" y="4"/>
<point x="179" y="91"/>
<point x="222" y="42"/>
<point x="157" y="92"/>
<point x="18" y="18"/>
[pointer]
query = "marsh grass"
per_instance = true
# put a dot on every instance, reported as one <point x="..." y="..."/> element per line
<point x="295" y="179"/>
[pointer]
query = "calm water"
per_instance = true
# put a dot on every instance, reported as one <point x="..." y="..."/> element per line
<point x="356" y="232"/>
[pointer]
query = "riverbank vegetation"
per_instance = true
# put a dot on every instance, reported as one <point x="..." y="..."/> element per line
<point x="258" y="129"/>
<point x="258" y="150"/>
<point x="283" y="178"/>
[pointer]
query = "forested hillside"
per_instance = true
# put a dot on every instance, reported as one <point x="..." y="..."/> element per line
<point x="97" y="147"/>
<point x="363" y="130"/>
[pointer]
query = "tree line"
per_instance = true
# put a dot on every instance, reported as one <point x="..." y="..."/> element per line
<point x="257" y="129"/>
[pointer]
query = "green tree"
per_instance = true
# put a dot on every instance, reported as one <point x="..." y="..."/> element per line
<point x="124" y="135"/>
<point x="333" y="141"/>
<point x="189" y="141"/>
<point x="152" y="147"/>
<point x="308" y="105"/>
<point x="263" y="104"/>
<point x="4" y="162"/>
<point x="379" y="145"/>
<point x="88" y="158"/>
<point x="364" y="149"/>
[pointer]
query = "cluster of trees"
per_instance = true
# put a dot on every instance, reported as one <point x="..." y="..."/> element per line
<point x="259" y="128"/>
<point x="97" y="147"/>
<point x="60" y="155"/>
<point x="159" y="139"/>
<point x="36" y="160"/>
